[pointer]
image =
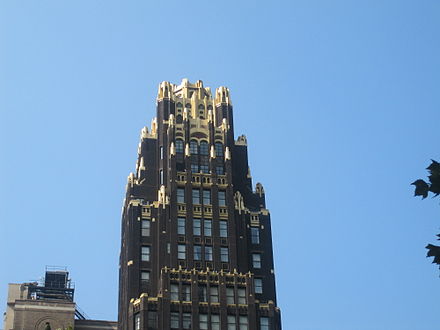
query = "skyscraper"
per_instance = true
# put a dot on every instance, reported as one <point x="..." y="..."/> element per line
<point x="196" y="248"/>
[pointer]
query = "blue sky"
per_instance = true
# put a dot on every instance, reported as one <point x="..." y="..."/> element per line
<point x="339" y="102"/>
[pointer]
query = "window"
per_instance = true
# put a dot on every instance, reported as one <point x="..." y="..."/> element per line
<point x="221" y="198"/>
<point x="243" y="321"/>
<point x="204" y="148"/>
<point x="204" y="168"/>
<point x="197" y="252"/>
<point x="137" y="322"/>
<point x="258" y="285"/>
<point x="219" y="149"/>
<point x="161" y="176"/>
<point x="196" y="196"/>
<point x="203" y="321"/>
<point x="180" y="195"/>
<point x="161" y="152"/>
<point x="255" y="235"/>
<point x="224" y="254"/>
<point x="179" y="146"/>
<point x="215" y="322"/>
<point x="206" y="197"/>
<point x="152" y="320"/>
<point x="145" y="277"/>
<point x="241" y="295"/>
<point x="264" y="323"/>
<point x="220" y="170"/>
<point x="194" y="168"/>
<point x="207" y="227"/>
<point x="181" y="226"/>
<point x="208" y="253"/>
<point x="175" y="320"/>
<point x="181" y="251"/>
<point x="168" y="248"/>
<point x="230" y="297"/>
<point x="193" y="148"/>
<point x="186" y="321"/>
<point x="145" y="253"/>
<point x="179" y="105"/>
<point x="203" y="294"/>
<point x="174" y="292"/>
<point x="256" y="260"/>
<point x="197" y="227"/>
<point x="223" y="228"/>
<point x="186" y="292"/>
<point x="213" y="294"/>
<point x="145" y="227"/>
<point x="232" y="325"/>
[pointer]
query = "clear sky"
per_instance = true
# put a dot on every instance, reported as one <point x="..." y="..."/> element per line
<point x="340" y="104"/>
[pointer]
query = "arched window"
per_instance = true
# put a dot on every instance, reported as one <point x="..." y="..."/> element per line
<point x="210" y="107"/>
<point x="219" y="149"/>
<point x="179" y="146"/>
<point x="179" y="119"/>
<point x="204" y="150"/>
<point x="193" y="147"/>
<point x="188" y="106"/>
<point x="201" y="107"/>
<point x="179" y="105"/>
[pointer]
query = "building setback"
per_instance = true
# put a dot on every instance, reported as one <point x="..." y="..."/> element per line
<point x="196" y="248"/>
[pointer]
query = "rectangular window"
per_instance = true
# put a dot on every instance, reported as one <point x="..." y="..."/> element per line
<point x="195" y="168"/>
<point x="208" y="253"/>
<point x="241" y="296"/>
<point x="222" y="198"/>
<point x="206" y="197"/>
<point x="145" y="277"/>
<point x="137" y="322"/>
<point x="174" y="292"/>
<point x="255" y="235"/>
<point x="203" y="321"/>
<point x="264" y="323"/>
<point x="243" y="320"/>
<point x="215" y="322"/>
<point x="168" y="248"/>
<point x="256" y="260"/>
<point x="180" y="195"/>
<point x="204" y="168"/>
<point x="186" y="321"/>
<point x="161" y="176"/>
<point x="223" y="228"/>
<point x="197" y="252"/>
<point x="145" y="227"/>
<point x="230" y="296"/>
<point x="220" y="170"/>
<point x="145" y="253"/>
<point x="197" y="227"/>
<point x="181" y="226"/>
<point x="232" y="325"/>
<point x="224" y="254"/>
<point x="213" y="294"/>
<point x="203" y="294"/>
<point x="175" y="320"/>
<point x="186" y="292"/>
<point x="258" y="285"/>
<point x="181" y="251"/>
<point x="161" y="152"/>
<point x="196" y="196"/>
<point x="207" y="227"/>
<point x="152" y="320"/>
<point x="218" y="149"/>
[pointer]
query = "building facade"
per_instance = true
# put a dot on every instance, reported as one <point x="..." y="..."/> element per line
<point x="196" y="247"/>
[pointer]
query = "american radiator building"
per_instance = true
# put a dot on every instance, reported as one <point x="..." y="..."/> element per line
<point x="196" y="250"/>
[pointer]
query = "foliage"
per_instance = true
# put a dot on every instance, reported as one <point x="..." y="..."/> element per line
<point x="423" y="189"/>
